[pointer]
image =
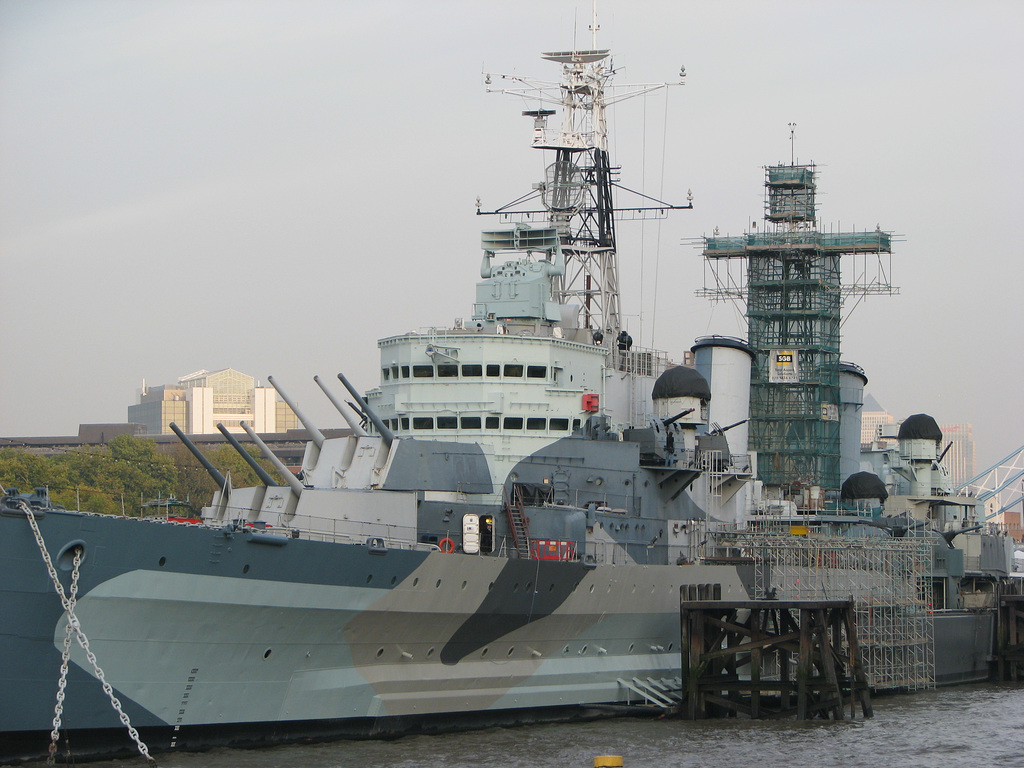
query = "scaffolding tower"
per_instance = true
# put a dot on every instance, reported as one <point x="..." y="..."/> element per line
<point x="790" y="279"/>
<point x="888" y="580"/>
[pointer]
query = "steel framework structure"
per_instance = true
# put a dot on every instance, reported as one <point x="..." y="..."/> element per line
<point x="791" y="281"/>
<point x="888" y="580"/>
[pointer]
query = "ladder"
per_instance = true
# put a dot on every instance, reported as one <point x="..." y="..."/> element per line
<point x="517" y="523"/>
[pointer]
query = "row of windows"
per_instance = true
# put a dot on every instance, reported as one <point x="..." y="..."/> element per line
<point x="468" y="371"/>
<point x="531" y="423"/>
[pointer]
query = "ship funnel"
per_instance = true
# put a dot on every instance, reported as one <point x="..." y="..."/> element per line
<point x="315" y="434"/>
<point x="292" y="480"/>
<point x="261" y="473"/>
<point x="218" y="478"/>
<point x="354" y="425"/>
<point x="385" y="433"/>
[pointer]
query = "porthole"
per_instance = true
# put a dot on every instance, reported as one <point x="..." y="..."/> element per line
<point x="630" y="647"/>
<point x="633" y="590"/>
<point x="416" y="581"/>
<point x="591" y="589"/>
<point x="529" y="585"/>
<point x="245" y="568"/>
<point x="565" y="650"/>
<point x="438" y="585"/>
<point x="490" y="586"/>
<point x="380" y="652"/>
<point x="515" y="587"/>
<point x="266" y="654"/>
<point x="551" y="588"/>
<point x="394" y="580"/>
<point x="511" y="650"/>
<point x="583" y="650"/>
<point x="483" y="652"/>
<point x="162" y="561"/>
<point x="464" y="584"/>
<point x="670" y="646"/>
<point x="369" y="578"/>
<point x="430" y="652"/>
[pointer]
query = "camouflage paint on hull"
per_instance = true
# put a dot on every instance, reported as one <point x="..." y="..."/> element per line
<point x="200" y="628"/>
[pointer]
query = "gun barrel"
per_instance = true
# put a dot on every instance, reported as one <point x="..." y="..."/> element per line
<point x="385" y="433"/>
<point x="218" y="478"/>
<point x="672" y="420"/>
<point x="261" y="473"/>
<point x="292" y="480"/>
<point x="354" y="425"/>
<point x="315" y="434"/>
<point x="720" y="430"/>
<point x="950" y="535"/>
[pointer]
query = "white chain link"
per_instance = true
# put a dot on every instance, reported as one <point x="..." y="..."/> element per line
<point x="75" y="626"/>
<point x="64" y="658"/>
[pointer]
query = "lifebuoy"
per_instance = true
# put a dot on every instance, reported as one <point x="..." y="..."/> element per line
<point x="446" y="545"/>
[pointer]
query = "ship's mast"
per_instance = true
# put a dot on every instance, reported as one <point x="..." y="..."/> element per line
<point x="577" y="189"/>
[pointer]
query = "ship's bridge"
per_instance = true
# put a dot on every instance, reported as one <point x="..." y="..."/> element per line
<point x="454" y="385"/>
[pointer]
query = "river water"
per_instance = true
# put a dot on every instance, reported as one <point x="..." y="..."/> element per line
<point x="977" y="726"/>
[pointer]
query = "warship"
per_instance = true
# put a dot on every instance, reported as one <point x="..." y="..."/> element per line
<point x="500" y="537"/>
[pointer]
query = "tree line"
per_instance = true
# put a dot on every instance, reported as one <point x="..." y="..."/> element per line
<point x="125" y="475"/>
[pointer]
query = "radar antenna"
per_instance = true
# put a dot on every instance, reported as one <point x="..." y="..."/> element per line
<point x="576" y="193"/>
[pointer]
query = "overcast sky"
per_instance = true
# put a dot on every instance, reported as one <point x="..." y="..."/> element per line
<point x="271" y="185"/>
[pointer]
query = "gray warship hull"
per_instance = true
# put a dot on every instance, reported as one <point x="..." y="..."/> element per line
<point x="213" y="636"/>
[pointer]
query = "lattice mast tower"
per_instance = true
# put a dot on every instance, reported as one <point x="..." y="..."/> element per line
<point x="789" y="276"/>
<point x="576" y="192"/>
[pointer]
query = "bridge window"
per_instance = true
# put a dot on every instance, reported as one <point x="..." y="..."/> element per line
<point x="447" y="422"/>
<point x="559" y="425"/>
<point x="473" y="371"/>
<point x="514" y="370"/>
<point x="513" y="422"/>
<point x="448" y="370"/>
<point x="491" y="422"/>
<point x="536" y="371"/>
<point x="423" y="371"/>
<point x="471" y="422"/>
<point x="405" y="371"/>
<point x="535" y="424"/>
<point x="493" y="369"/>
<point x="422" y="422"/>
<point x="405" y="422"/>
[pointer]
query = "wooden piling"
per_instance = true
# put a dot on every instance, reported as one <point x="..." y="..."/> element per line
<point x="1010" y="639"/>
<point x="729" y="647"/>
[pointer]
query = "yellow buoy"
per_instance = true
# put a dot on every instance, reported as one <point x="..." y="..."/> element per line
<point x="608" y="761"/>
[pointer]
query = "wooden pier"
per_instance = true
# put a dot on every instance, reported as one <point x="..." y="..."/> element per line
<point x="1010" y="639"/>
<point x="770" y="658"/>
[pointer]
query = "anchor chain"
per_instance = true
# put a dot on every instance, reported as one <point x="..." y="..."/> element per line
<point x="75" y="626"/>
<point x="65" y="656"/>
